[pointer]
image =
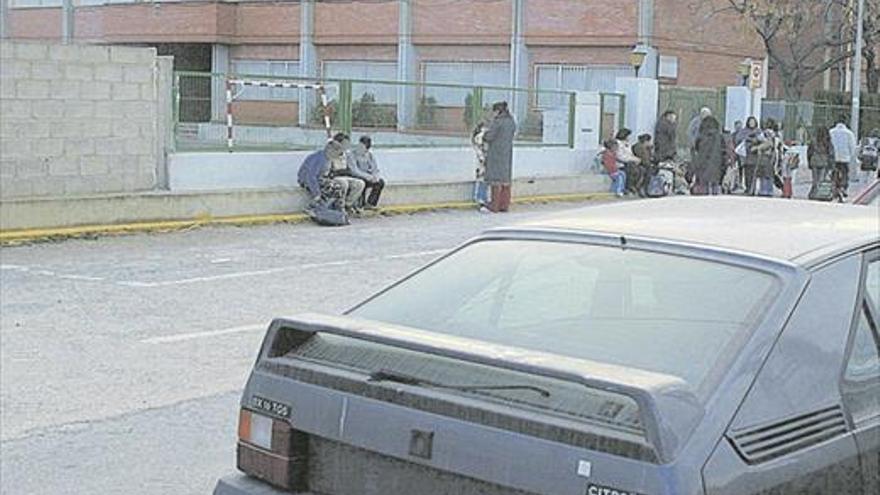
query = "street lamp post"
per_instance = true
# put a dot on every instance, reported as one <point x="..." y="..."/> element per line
<point x="637" y="57"/>
<point x="857" y="71"/>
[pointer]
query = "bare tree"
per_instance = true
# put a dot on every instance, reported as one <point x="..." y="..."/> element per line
<point x="803" y="38"/>
<point x="871" y="50"/>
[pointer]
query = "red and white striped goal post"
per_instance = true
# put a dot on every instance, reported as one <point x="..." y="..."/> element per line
<point x="230" y="97"/>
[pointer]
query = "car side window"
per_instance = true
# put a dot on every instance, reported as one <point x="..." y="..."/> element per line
<point x="872" y="283"/>
<point x="861" y="378"/>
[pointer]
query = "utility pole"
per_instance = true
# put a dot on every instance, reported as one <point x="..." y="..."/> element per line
<point x="857" y="71"/>
<point x="4" y="19"/>
<point x="67" y="22"/>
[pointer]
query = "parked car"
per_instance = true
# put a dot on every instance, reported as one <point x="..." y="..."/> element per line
<point x="713" y="346"/>
<point x="870" y="195"/>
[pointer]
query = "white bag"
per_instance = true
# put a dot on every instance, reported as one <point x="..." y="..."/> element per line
<point x="742" y="150"/>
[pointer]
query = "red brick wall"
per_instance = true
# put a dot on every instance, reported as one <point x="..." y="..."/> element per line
<point x="267" y="23"/>
<point x="461" y="22"/>
<point x="461" y="53"/>
<point x="578" y="22"/>
<point x="266" y="112"/>
<point x="579" y="55"/>
<point x="377" y="53"/>
<point x="710" y="46"/>
<point x="35" y="24"/>
<point x="265" y="52"/>
<point x="356" y="23"/>
<point x="159" y="22"/>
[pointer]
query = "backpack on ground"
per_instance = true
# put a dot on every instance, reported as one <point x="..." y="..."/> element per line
<point x="824" y="190"/>
<point x="660" y="184"/>
<point x="323" y="214"/>
<point x="329" y="211"/>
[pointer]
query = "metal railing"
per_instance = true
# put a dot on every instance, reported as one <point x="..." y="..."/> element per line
<point x="799" y="120"/>
<point x="396" y="114"/>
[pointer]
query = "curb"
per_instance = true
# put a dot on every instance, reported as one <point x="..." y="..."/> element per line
<point x="16" y="237"/>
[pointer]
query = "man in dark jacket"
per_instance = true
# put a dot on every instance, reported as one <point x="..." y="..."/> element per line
<point x="499" y="156"/>
<point x="709" y="163"/>
<point x="665" y="137"/>
<point x="314" y="173"/>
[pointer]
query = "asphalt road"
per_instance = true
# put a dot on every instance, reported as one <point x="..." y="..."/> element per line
<point x="122" y="359"/>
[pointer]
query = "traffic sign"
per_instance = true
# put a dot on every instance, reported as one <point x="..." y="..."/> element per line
<point x="756" y="75"/>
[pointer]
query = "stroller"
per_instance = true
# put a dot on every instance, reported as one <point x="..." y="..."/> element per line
<point x="868" y="154"/>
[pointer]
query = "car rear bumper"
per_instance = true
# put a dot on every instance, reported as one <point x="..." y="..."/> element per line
<point x="239" y="484"/>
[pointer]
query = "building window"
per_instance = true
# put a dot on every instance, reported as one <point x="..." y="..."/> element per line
<point x="668" y="67"/>
<point x="266" y="68"/>
<point x="35" y="3"/>
<point x="469" y="74"/>
<point x="365" y="71"/>
<point x="602" y="78"/>
<point x="78" y="3"/>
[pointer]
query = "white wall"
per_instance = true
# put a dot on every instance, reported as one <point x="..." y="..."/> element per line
<point x="81" y="119"/>
<point x="642" y="96"/>
<point x="220" y="171"/>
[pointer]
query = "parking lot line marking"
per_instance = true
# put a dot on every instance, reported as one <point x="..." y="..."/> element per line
<point x="225" y="276"/>
<point x="417" y="254"/>
<point x="272" y="271"/>
<point x="81" y="277"/>
<point x="182" y="337"/>
<point x="18" y="268"/>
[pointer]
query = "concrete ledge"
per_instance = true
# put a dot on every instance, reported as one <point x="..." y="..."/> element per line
<point x="24" y="219"/>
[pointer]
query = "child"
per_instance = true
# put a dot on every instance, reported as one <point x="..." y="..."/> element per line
<point x="481" y="189"/>
<point x="609" y="161"/>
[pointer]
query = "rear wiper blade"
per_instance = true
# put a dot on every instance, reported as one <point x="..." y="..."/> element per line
<point x="393" y="376"/>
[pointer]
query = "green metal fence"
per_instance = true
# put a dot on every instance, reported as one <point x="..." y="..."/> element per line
<point x="799" y="120"/>
<point x="396" y="114"/>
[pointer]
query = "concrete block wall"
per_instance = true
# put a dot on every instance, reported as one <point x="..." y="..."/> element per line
<point x="78" y="120"/>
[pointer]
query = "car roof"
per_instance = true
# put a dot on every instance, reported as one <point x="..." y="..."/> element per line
<point x="802" y="232"/>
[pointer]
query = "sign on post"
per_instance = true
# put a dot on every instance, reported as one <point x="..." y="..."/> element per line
<point x="756" y="75"/>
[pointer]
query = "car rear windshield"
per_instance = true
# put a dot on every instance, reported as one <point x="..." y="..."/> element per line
<point x="656" y="312"/>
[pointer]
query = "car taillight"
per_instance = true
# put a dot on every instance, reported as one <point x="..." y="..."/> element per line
<point x="270" y="449"/>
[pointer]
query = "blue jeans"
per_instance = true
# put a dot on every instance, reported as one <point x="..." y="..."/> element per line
<point x="618" y="182"/>
<point x="767" y="186"/>
<point x="481" y="192"/>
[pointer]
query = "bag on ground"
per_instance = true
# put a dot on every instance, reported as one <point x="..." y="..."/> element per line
<point x="323" y="214"/>
<point x="660" y="183"/>
<point x="824" y="190"/>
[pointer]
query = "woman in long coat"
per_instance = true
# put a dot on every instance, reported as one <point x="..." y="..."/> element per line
<point x="710" y="157"/>
<point x="499" y="156"/>
<point x="752" y="136"/>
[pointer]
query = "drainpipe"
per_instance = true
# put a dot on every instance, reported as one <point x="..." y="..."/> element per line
<point x="519" y="61"/>
<point x="4" y="19"/>
<point x="67" y="21"/>
<point x="308" y="63"/>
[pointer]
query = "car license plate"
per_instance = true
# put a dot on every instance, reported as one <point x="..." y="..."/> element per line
<point x="270" y="406"/>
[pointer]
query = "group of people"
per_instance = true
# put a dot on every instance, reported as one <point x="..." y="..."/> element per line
<point x="752" y="160"/>
<point x="632" y="167"/>
<point x="342" y="177"/>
